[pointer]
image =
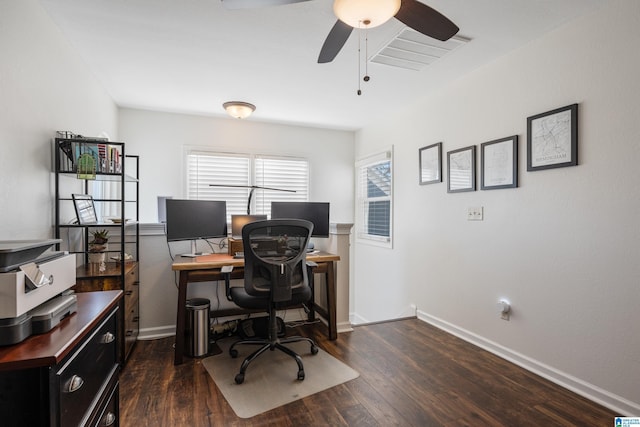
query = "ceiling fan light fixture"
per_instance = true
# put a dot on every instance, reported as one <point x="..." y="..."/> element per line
<point x="239" y="109"/>
<point x="365" y="13"/>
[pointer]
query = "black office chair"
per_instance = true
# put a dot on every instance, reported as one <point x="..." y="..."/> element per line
<point x="276" y="276"/>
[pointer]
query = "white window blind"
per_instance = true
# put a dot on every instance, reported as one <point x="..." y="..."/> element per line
<point x="375" y="199"/>
<point x="284" y="174"/>
<point x="204" y="169"/>
<point x="229" y="173"/>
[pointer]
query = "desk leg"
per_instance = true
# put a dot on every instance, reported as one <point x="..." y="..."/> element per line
<point x="331" y="300"/>
<point x="311" y="316"/>
<point x="180" y="317"/>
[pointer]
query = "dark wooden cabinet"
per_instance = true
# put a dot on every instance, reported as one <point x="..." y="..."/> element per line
<point x="69" y="375"/>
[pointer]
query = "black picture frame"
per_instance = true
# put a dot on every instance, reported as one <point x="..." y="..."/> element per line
<point x="461" y="170"/>
<point x="430" y="164"/>
<point x="552" y="139"/>
<point x="499" y="163"/>
<point x="85" y="209"/>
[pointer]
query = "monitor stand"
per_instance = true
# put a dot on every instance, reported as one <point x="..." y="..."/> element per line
<point x="194" y="251"/>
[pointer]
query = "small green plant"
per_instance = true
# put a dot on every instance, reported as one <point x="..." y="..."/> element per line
<point x="99" y="242"/>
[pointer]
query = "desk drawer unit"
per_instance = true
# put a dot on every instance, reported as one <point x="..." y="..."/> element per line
<point x="86" y="372"/>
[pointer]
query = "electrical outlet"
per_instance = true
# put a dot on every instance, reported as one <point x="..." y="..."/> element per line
<point x="505" y="309"/>
<point x="475" y="213"/>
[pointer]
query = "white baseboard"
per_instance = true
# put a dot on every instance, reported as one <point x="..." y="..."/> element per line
<point x="357" y="320"/>
<point x="295" y="315"/>
<point x="344" y="327"/>
<point x="612" y="401"/>
<point x="157" y="332"/>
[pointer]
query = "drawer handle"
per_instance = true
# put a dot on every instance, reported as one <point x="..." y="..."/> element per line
<point x="74" y="384"/>
<point x="128" y="293"/>
<point x="129" y="332"/>
<point x="107" y="338"/>
<point x="109" y="419"/>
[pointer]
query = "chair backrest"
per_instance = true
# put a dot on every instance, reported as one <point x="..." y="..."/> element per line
<point x="275" y="257"/>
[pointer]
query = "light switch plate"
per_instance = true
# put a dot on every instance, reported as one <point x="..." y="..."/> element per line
<point x="475" y="213"/>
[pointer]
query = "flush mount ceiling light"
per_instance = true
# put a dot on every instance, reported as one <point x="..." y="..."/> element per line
<point x="239" y="109"/>
<point x="365" y="13"/>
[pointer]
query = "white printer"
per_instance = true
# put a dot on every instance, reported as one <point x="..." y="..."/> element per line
<point x="31" y="284"/>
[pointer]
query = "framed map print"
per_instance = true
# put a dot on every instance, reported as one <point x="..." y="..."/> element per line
<point x="431" y="164"/>
<point x="461" y="170"/>
<point x="552" y="139"/>
<point x="499" y="163"/>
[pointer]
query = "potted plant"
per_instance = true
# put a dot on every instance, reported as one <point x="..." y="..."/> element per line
<point x="98" y="248"/>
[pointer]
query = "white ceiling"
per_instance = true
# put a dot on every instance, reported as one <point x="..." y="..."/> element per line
<point x="190" y="56"/>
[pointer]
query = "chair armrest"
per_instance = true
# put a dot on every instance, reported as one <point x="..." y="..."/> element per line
<point x="226" y="271"/>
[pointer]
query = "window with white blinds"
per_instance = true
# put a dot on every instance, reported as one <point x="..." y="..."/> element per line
<point x="374" y="194"/>
<point x="216" y="176"/>
<point x="287" y="174"/>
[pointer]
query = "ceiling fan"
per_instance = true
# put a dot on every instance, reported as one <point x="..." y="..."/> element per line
<point x="368" y="14"/>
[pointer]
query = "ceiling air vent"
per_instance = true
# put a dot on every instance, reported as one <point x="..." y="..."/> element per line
<point x="412" y="50"/>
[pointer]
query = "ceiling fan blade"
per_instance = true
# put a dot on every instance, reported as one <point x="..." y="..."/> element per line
<point x="253" y="4"/>
<point x="426" y="20"/>
<point x="335" y="40"/>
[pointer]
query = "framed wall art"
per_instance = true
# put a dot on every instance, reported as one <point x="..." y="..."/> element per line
<point x="552" y="139"/>
<point x="461" y="170"/>
<point x="430" y="161"/>
<point x="85" y="209"/>
<point x="499" y="163"/>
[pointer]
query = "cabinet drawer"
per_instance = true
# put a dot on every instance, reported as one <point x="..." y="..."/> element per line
<point x="131" y="326"/>
<point x="98" y="284"/>
<point x="132" y="311"/>
<point x="131" y="278"/>
<point x="83" y="375"/>
<point x="109" y="416"/>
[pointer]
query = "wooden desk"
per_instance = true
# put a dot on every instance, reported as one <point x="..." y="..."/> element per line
<point x="207" y="268"/>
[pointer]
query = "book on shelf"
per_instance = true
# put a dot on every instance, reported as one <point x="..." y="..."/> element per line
<point x="108" y="158"/>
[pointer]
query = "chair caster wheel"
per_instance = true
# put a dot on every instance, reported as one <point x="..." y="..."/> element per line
<point x="314" y="349"/>
<point x="233" y="353"/>
<point x="300" y="375"/>
<point x="240" y="378"/>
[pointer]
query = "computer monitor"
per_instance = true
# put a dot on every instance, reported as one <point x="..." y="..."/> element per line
<point x="316" y="212"/>
<point x="239" y="221"/>
<point x="189" y="219"/>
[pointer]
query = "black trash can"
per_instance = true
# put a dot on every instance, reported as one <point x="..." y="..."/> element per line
<point x="197" y="327"/>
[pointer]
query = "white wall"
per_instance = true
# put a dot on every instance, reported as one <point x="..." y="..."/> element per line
<point x="159" y="139"/>
<point x="563" y="247"/>
<point x="44" y="87"/>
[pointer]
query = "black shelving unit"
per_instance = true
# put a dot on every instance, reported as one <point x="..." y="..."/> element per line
<point x="102" y="170"/>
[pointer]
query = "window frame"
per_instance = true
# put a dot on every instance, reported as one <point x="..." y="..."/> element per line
<point x="232" y="195"/>
<point x="363" y="200"/>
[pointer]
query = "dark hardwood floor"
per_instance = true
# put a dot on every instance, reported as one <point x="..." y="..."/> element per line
<point x="411" y="374"/>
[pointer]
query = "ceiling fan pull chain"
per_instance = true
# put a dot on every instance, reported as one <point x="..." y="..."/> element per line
<point x="359" y="59"/>
<point x="366" y="77"/>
